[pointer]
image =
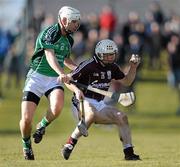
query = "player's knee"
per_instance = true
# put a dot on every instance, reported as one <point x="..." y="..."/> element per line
<point x="26" y="121"/>
<point x="89" y="116"/>
<point x="89" y="120"/>
<point x="125" y="119"/>
<point x="56" y="113"/>
<point x="122" y="118"/>
<point x="56" y="110"/>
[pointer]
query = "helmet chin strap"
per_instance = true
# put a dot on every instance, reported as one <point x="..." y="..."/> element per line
<point x="101" y="62"/>
<point x="65" y="29"/>
<point x="68" y="31"/>
<point x="104" y="64"/>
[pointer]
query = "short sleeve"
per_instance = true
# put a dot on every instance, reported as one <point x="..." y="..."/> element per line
<point x="47" y="38"/>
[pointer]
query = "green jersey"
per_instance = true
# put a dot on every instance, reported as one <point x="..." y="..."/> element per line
<point x="51" y="38"/>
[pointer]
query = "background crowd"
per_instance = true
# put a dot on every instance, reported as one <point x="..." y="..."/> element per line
<point x="154" y="37"/>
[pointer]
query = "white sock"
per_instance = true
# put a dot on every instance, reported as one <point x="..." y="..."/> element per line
<point x="76" y="134"/>
<point x="127" y="146"/>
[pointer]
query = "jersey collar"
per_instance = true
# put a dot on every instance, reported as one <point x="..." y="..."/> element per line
<point x="100" y="64"/>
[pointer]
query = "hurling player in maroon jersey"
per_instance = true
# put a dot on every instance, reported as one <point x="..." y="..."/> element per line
<point x="99" y="72"/>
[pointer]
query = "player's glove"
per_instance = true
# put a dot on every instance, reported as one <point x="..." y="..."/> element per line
<point x="135" y="59"/>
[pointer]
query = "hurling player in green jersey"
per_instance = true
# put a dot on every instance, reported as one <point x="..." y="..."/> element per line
<point x="46" y="75"/>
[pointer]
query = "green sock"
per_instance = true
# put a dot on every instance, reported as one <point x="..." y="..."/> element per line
<point x="44" y="122"/>
<point x="26" y="142"/>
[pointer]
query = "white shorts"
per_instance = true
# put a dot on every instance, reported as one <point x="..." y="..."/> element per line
<point x="39" y="84"/>
<point x="97" y="105"/>
<point x="103" y="113"/>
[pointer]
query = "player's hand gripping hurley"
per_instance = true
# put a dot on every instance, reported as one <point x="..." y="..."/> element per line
<point x="82" y="125"/>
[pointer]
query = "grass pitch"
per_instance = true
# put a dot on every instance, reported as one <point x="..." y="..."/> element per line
<point x="155" y="133"/>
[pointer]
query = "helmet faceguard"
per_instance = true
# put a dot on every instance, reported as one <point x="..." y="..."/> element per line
<point x="70" y="14"/>
<point x="106" y="51"/>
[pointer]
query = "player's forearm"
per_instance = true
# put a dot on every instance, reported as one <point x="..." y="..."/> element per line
<point x="71" y="87"/>
<point x="53" y="62"/>
<point x="79" y="94"/>
<point x="70" y="64"/>
<point x="129" y="77"/>
<point x="55" y="66"/>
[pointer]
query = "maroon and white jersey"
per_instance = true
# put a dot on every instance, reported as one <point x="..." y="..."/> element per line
<point x="91" y="72"/>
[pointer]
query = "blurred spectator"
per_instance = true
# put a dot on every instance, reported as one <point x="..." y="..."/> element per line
<point x="174" y="65"/>
<point x="133" y="32"/>
<point x="129" y="27"/>
<point x="157" y="12"/>
<point x="135" y="46"/>
<point x="79" y="47"/>
<point x="108" y="20"/>
<point x="171" y="27"/>
<point x="37" y="20"/>
<point x="5" y="43"/>
<point x="29" y="51"/>
<point x="103" y="34"/>
<point x="48" y="21"/>
<point x="154" y="44"/>
<point x="121" y="49"/>
<point x="174" y="23"/>
<point x="91" y="41"/>
<point x="13" y="65"/>
<point x="93" y="21"/>
<point x="84" y="28"/>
